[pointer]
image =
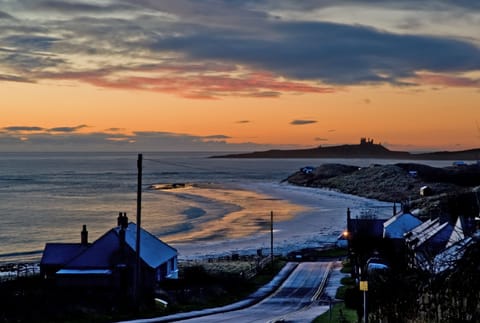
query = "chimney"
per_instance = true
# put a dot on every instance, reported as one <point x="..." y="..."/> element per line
<point x="125" y="221"/>
<point x="122" y="220"/>
<point x="119" y="219"/>
<point x="84" y="235"/>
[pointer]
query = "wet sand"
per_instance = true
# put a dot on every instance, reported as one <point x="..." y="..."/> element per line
<point x="303" y="217"/>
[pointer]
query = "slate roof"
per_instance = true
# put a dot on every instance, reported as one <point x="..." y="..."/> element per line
<point x="431" y="234"/>
<point x="464" y="227"/>
<point x="103" y="253"/>
<point x="99" y="255"/>
<point x="56" y="254"/>
<point x="153" y="251"/>
<point x="398" y="225"/>
<point x="448" y="258"/>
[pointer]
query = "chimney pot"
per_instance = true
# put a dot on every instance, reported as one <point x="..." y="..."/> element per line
<point x="119" y="219"/>
<point x="84" y="235"/>
<point x="125" y="220"/>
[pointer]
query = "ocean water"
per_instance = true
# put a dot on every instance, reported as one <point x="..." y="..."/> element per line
<point x="47" y="197"/>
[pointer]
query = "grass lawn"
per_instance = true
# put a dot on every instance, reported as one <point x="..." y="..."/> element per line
<point x="339" y="314"/>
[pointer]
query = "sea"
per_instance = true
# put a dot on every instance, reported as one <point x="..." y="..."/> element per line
<point x="48" y="197"/>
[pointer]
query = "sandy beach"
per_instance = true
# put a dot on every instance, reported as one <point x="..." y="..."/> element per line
<point x="303" y="217"/>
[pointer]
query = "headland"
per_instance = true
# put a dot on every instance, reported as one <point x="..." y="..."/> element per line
<point x="365" y="149"/>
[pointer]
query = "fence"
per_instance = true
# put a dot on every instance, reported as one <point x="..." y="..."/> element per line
<point x="14" y="271"/>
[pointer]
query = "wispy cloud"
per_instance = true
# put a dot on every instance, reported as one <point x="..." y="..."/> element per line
<point x="67" y="129"/>
<point x="36" y="138"/>
<point x="216" y="137"/>
<point x="76" y="7"/>
<point x="22" y="128"/>
<point x="300" y="122"/>
<point x="447" y="80"/>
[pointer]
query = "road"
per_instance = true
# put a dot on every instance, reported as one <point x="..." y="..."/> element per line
<point x="296" y="294"/>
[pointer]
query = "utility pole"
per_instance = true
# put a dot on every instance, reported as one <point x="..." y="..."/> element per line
<point x="271" y="237"/>
<point x="137" y="279"/>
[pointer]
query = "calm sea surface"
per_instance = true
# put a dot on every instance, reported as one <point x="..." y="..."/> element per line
<point x="47" y="197"/>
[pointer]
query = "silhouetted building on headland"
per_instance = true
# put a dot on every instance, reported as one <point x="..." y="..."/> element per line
<point x="366" y="141"/>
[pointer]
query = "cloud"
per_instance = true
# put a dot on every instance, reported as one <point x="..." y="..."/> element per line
<point x="217" y="84"/>
<point x="447" y="80"/>
<point x="311" y="5"/>
<point x="14" y="78"/>
<point x="214" y="49"/>
<point x="77" y="7"/>
<point x="114" y="129"/>
<point x="22" y="128"/>
<point x="243" y="121"/>
<point x="30" y="42"/>
<point x="67" y="129"/>
<point x="302" y="122"/>
<point x="6" y="16"/>
<point x="333" y="53"/>
<point x="34" y="138"/>
<point x="320" y="139"/>
<point x="216" y="137"/>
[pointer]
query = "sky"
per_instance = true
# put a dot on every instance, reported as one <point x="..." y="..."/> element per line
<point x="232" y="75"/>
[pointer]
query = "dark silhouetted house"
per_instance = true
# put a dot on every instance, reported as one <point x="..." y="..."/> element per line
<point x="109" y="262"/>
<point x="426" y="241"/>
<point x="394" y="230"/>
<point x="463" y="228"/>
<point x="364" y="227"/>
<point x="56" y="255"/>
<point x="398" y="225"/>
<point x="448" y="258"/>
<point x="364" y="235"/>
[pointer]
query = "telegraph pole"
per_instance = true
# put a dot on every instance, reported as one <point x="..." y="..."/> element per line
<point x="271" y="237"/>
<point x="137" y="279"/>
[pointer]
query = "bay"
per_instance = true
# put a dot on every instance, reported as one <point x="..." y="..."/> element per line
<point x="47" y="197"/>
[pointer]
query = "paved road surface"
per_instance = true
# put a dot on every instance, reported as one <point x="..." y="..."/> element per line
<point x="297" y="293"/>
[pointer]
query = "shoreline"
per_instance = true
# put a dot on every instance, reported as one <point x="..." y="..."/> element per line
<point x="303" y="217"/>
<point x="315" y="218"/>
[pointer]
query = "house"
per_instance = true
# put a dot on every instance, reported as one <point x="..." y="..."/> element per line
<point x="426" y="241"/>
<point x="364" y="235"/>
<point x="56" y="255"/>
<point x="109" y="263"/>
<point x="395" y="228"/>
<point x="365" y="226"/>
<point x="448" y="258"/>
<point x="398" y="225"/>
<point x="464" y="227"/>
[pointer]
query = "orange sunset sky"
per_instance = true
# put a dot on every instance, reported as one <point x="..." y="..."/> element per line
<point x="238" y="75"/>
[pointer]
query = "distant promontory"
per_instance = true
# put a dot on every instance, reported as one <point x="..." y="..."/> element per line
<point x="365" y="149"/>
